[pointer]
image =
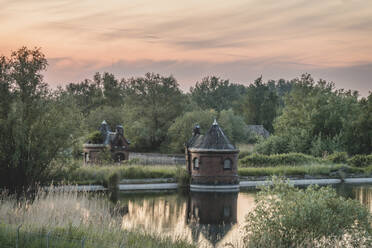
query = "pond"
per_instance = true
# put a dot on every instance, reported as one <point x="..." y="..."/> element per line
<point x="211" y="219"/>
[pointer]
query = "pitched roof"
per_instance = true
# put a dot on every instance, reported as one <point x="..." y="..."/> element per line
<point x="214" y="139"/>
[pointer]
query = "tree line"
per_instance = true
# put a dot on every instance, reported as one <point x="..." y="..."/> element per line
<point x="38" y="124"/>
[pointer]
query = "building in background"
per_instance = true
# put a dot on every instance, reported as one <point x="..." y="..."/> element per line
<point x="113" y="144"/>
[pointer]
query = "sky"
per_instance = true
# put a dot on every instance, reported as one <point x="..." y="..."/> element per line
<point x="236" y="40"/>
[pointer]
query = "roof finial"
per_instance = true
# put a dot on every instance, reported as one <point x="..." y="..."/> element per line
<point x="215" y="122"/>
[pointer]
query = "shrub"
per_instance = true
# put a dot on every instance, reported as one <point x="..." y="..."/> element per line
<point x="338" y="157"/>
<point x="244" y="154"/>
<point x="285" y="216"/>
<point x="290" y="170"/>
<point x="182" y="177"/>
<point x="360" y="160"/>
<point x="105" y="156"/>
<point x="259" y="160"/>
<point x="273" y="145"/>
<point x="95" y="137"/>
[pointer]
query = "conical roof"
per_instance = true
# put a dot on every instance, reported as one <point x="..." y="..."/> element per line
<point x="214" y="139"/>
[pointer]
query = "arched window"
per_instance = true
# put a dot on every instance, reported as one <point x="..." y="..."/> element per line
<point x="227" y="164"/>
<point x="196" y="163"/>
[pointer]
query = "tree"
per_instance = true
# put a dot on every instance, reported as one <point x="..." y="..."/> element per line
<point x="181" y="130"/>
<point x="318" y="114"/>
<point x="35" y="123"/>
<point x="215" y="93"/>
<point x="260" y="104"/>
<point x="152" y="103"/>
<point x="234" y="127"/>
<point x="359" y="132"/>
<point x="102" y="90"/>
<point x="88" y="95"/>
<point x="113" y="115"/>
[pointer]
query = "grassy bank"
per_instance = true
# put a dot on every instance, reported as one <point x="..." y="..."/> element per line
<point x="316" y="169"/>
<point x="286" y="164"/>
<point x="70" y="217"/>
<point x="78" y="174"/>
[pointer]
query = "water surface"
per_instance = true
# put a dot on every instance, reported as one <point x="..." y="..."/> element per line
<point x="210" y="219"/>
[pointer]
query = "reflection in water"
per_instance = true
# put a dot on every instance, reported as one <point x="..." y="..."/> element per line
<point x="203" y="218"/>
<point x="212" y="214"/>
<point x="208" y="219"/>
<point x="362" y="193"/>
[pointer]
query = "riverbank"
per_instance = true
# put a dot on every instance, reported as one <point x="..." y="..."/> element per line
<point x="71" y="219"/>
<point x="159" y="184"/>
<point x="143" y="174"/>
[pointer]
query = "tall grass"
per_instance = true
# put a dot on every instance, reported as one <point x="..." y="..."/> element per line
<point x="75" y="215"/>
<point x="100" y="174"/>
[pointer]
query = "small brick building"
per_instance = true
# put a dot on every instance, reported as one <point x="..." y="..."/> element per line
<point x="212" y="161"/>
<point x="115" y="142"/>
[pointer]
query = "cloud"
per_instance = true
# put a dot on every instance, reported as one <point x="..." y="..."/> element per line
<point x="357" y="77"/>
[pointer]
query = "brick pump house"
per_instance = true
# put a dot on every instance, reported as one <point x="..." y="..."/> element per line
<point x="115" y="142"/>
<point x="211" y="161"/>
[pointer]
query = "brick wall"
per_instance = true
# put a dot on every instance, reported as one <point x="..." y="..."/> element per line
<point x="211" y="168"/>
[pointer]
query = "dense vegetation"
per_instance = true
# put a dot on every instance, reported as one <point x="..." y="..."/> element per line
<point x="285" y="216"/>
<point x="39" y="125"/>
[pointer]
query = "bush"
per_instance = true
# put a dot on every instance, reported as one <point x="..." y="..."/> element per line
<point x="273" y="145"/>
<point x="360" y="160"/>
<point x="182" y="177"/>
<point x="286" y="216"/>
<point x="259" y="160"/>
<point x="105" y="156"/>
<point x="95" y="137"/>
<point x="244" y="154"/>
<point x="338" y="157"/>
<point x="290" y="170"/>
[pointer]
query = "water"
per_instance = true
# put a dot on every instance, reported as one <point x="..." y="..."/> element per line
<point x="210" y="219"/>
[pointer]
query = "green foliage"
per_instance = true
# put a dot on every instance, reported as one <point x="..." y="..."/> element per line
<point x="285" y="216"/>
<point x="92" y="94"/>
<point x="260" y="104"/>
<point x="292" y="159"/>
<point x="112" y="115"/>
<point x="234" y="127"/>
<point x="182" y="177"/>
<point x="316" y="118"/>
<point x="74" y="173"/>
<point x="298" y="170"/>
<point x="36" y="124"/>
<point x="95" y="137"/>
<point x="360" y="160"/>
<point x="152" y="103"/>
<point x="181" y="130"/>
<point x="215" y="93"/>
<point x="105" y="156"/>
<point x="273" y="145"/>
<point x="359" y="134"/>
<point x="113" y="181"/>
<point x="338" y="157"/>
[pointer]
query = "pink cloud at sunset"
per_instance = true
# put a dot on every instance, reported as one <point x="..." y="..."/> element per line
<point x="238" y="40"/>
